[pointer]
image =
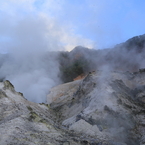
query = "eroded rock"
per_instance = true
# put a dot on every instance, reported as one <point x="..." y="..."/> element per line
<point x="27" y="123"/>
<point x="104" y="107"/>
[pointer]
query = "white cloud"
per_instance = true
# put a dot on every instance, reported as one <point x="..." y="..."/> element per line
<point x="27" y="17"/>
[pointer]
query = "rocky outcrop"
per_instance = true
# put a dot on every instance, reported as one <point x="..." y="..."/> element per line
<point x="27" y="123"/>
<point x="104" y="108"/>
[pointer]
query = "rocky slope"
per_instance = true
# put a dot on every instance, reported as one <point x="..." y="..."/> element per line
<point x="104" y="108"/>
<point x="27" y="123"/>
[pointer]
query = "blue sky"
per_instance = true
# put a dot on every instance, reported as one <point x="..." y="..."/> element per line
<point x="63" y="24"/>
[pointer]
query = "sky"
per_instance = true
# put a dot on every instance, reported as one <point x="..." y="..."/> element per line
<point x="64" y="24"/>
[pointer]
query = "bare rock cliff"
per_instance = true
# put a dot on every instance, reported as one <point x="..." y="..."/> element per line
<point x="104" y="108"/>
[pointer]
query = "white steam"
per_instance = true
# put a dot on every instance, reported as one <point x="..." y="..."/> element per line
<point x="28" y="35"/>
<point x="31" y="69"/>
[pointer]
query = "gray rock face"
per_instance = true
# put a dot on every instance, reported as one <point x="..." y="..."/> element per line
<point x="105" y="108"/>
<point x="27" y="123"/>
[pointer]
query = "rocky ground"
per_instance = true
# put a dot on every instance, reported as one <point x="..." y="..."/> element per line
<point x="104" y="108"/>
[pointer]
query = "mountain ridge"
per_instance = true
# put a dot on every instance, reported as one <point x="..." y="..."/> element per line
<point x="127" y="56"/>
